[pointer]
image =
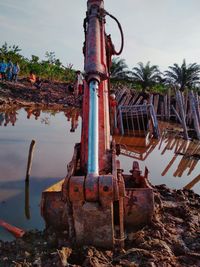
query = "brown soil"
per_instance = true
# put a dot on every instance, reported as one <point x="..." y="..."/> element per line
<point x="171" y="239"/>
<point x="23" y="94"/>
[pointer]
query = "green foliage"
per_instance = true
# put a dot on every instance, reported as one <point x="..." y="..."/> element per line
<point x="183" y="76"/>
<point x="51" y="68"/>
<point x="119" y="70"/>
<point x="143" y="77"/>
<point x="159" y="88"/>
<point x="146" y="75"/>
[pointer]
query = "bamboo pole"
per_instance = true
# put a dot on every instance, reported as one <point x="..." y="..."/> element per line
<point x="30" y="158"/>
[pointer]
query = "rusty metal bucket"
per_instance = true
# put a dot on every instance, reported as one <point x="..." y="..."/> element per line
<point x="138" y="206"/>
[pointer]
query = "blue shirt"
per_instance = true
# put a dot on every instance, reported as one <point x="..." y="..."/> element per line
<point x="3" y="67"/>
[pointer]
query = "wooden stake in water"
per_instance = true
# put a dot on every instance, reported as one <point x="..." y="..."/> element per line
<point x="27" y="201"/>
<point x="30" y="158"/>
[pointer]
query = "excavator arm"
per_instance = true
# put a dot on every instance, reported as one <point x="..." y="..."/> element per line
<point x="96" y="201"/>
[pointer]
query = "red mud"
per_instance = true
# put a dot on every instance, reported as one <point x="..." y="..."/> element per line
<point x="171" y="239"/>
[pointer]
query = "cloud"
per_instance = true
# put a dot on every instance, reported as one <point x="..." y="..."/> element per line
<point x="160" y="31"/>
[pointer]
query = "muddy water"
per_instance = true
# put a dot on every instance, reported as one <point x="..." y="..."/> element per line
<point x="170" y="160"/>
<point x="53" y="150"/>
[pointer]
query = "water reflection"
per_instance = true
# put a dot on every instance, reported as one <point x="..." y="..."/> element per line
<point x="10" y="116"/>
<point x="19" y="201"/>
<point x="190" y="152"/>
<point x="167" y="158"/>
<point x="73" y="115"/>
<point x="170" y="160"/>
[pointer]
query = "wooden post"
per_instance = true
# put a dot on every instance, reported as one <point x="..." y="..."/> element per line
<point x="156" y="99"/>
<point x="27" y="202"/>
<point x="179" y="100"/>
<point x="151" y="99"/>
<point x="194" y="115"/>
<point x="169" y="103"/>
<point x="162" y="110"/>
<point x="165" y="107"/>
<point x="186" y="102"/>
<point x="30" y="158"/>
<point x="177" y="115"/>
<point x="193" y="182"/>
<point x="196" y="101"/>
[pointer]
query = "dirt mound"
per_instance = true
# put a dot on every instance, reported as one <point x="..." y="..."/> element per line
<point x="22" y="94"/>
<point x="171" y="239"/>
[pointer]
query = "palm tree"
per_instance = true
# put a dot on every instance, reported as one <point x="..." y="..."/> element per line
<point x="119" y="69"/>
<point x="183" y="76"/>
<point x="145" y="75"/>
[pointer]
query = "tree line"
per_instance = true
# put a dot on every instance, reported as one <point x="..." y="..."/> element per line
<point x="51" y="68"/>
<point x="142" y="77"/>
<point x="149" y="77"/>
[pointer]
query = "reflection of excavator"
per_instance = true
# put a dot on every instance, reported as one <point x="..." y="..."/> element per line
<point x="135" y="147"/>
<point x="96" y="202"/>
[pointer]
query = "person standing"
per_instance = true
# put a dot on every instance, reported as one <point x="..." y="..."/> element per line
<point x="79" y="83"/>
<point x="9" y="70"/>
<point x="2" y="117"/>
<point x="32" y="78"/>
<point x="3" y="68"/>
<point x="15" y="72"/>
<point x="113" y="113"/>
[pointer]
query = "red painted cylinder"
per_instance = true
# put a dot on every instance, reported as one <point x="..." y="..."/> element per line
<point x="95" y="60"/>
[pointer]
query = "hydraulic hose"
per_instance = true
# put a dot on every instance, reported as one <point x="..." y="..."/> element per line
<point x="121" y="32"/>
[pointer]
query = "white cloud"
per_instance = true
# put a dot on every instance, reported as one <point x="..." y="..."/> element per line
<point x="163" y="32"/>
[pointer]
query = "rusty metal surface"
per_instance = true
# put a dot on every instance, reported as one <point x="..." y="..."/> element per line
<point x="138" y="206"/>
<point x="95" y="56"/>
<point x="91" y="188"/>
<point x="76" y="188"/>
<point x="106" y="189"/>
<point x="52" y="207"/>
<point x="94" y="224"/>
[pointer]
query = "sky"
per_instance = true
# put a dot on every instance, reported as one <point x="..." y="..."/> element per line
<point x="163" y="32"/>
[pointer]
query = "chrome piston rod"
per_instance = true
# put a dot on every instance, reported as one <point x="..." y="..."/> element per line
<point x="93" y="130"/>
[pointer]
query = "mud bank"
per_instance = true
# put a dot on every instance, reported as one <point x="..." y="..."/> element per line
<point x="171" y="239"/>
<point x="50" y="94"/>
